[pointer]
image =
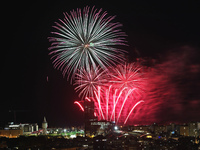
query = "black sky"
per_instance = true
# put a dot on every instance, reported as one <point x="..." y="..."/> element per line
<point x="153" y="28"/>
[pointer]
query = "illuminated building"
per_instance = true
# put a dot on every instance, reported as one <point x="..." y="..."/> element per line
<point x="141" y="128"/>
<point x="194" y="129"/>
<point x="92" y="125"/>
<point x="15" y="130"/>
<point x="44" y="126"/>
<point x="102" y="127"/>
<point x="184" y="130"/>
<point x="11" y="133"/>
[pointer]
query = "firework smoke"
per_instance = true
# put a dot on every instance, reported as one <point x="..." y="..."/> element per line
<point x="84" y="47"/>
<point x="172" y="89"/>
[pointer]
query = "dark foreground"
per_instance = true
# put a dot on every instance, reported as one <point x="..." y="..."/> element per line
<point x="113" y="142"/>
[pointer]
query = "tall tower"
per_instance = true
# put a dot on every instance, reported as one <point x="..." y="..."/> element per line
<point x="44" y="126"/>
<point x="89" y="117"/>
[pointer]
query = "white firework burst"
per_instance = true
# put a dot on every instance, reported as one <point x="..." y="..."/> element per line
<point x="86" y="38"/>
<point x="88" y="80"/>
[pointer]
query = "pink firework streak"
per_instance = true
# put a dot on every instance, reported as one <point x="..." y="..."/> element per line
<point x="118" y="98"/>
<point x="115" y="105"/>
<point x="79" y="104"/>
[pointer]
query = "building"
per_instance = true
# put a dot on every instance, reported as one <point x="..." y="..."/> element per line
<point x="29" y="128"/>
<point x="141" y="128"/>
<point x="102" y="127"/>
<point x="11" y="133"/>
<point x="44" y="126"/>
<point x="89" y="117"/>
<point x="198" y="127"/>
<point x="173" y="129"/>
<point x="92" y="125"/>
<point x="194" y="129"/>
<point x="184" y="130"/>
<point x="14" y="130"/>
<point x="138" y="128"/>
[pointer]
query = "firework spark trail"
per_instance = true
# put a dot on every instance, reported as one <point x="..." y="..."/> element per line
<point x="81" y="107"/>
<point x="114" y="103"/>
<point x="107" y="100"/>
<point x="113" y="112"/>
<point x="88" y="80"/>
<point x="106" y="105"/>
<point x="87" y="99"/>
<point x="126" y="97"/>
<point x="115" y="92"/>
<point x="98" y="97"/>
<point x="111" y="105"/>
<point x="85" y="39"/>
<point x="132" y="110"/>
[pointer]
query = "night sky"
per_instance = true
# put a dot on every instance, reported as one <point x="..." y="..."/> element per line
<point x="167" y="32"/>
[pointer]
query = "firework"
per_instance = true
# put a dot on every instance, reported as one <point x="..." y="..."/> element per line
<point x="84" y="39"/>
<point x="128" y="76"/>
<point x="85" y="46"/>
<point x="115" y="95"/>
<point x="87" y="81"/>
<point x="115" y="105"/>
<point x="123" y="76"/>
<point x="79" y="104"/>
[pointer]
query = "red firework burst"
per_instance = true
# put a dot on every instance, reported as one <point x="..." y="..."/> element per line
<point x="119" y="98"/>
<point x="128" y="75"/>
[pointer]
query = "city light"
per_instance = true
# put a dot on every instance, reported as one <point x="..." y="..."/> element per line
<point x="116" y="128"/>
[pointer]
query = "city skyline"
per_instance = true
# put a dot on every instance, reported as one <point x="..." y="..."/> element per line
<point x="166" y="34"/>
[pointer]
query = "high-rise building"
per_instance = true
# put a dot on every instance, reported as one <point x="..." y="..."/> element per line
<point x="89" y="110"/>
<point x="89" y="116"/>
<point x="193" y="129"/>
<point x="184" y="130"/>
<point x="92" y="125"/>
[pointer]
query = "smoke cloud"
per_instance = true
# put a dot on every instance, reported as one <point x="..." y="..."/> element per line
<point x="172" y="90"/>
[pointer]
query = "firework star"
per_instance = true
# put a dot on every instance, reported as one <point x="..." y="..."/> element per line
<point x="86" y="38"/>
